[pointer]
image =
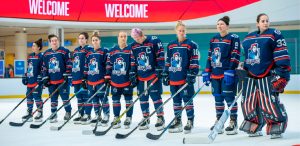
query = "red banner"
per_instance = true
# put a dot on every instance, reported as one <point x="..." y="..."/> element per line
<point x="117" y="11"/>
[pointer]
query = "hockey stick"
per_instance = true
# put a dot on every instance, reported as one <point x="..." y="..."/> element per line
<point x="19" y="103"/>
<point x="155" y="137"/>
<point x="122" y="136"/>
<point x="53" y="128"/>
<point x="213" y="134"/>
<point x="100" y="133"/>
<point x="90" y="132"/>
<point x="68" y="101"/>
<point x="21" y="124"/>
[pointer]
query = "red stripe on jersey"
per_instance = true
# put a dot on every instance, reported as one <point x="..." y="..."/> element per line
<point x="176" y="83"/>
<point x="217" y="76"/>
<point x="57" y="82"/>
<point x="147" y="78"/>
<point x="120" y="85"/>
<point x="32" y="85"/>
<point x="95" y="83"/>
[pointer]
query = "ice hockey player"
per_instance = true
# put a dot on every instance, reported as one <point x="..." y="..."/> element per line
<point x="95" y="70"/>
<point x="182" y="66"/>
<point x="223" y="59"/>
<point x="268" y="65"/>
<point x="32" y="78"/>
<point x="77" y="80"/>
<point x="56" y="69"/>
<point x="117" y="69"/>
<point x="146" y="65"/>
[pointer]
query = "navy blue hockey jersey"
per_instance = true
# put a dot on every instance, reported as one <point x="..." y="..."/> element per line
<point x="34" y="68"/>
<point x="147" y="57"/>
<point x="223" y="54"/>
<point x="55" y="64"/>
<point x="266" y="51"/>
<point x="181" y="58"/>
<point x="78" y="63"/>
<point x="118" y="66"/>
<point x="95" y="66"/>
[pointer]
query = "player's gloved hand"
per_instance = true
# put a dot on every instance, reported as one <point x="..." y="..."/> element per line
<point x="133" y="79"/>
<point x="46" y="82"/>
<point x="39" y="80"/>
<point x="83" y="84"/>
<point x="279" y="84"/>
<point x="165" y="78"/>
<point x="190" y="78"/>
<point x="206" y="78"/>
<point x="229" y="77"/>
<point x="107" y="78"/>
<point x="24" y="80"/>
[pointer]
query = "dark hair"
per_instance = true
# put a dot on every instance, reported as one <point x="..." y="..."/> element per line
<point x="39" y="43"/>
<point x="259" y="15"/>
<point x="50" y="36"/>
<point x="85" y="34"/>
<point x="225" y="19"/>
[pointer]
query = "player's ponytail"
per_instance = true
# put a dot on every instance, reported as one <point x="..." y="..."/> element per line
<point x="39" y="43"/>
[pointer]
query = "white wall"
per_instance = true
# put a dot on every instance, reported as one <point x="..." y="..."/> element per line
<point x="15" y="86"/>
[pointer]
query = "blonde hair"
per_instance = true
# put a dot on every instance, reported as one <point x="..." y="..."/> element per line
<point x="136" y="32"/>
<point x="96" y="34"/>
<point x="180" y="23"/>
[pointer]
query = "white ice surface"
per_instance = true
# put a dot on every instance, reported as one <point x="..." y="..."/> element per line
<point x="71" y="135"/>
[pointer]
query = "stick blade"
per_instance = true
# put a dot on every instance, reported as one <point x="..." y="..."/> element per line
<point x="197" y="140"/>
<point x="33" y="126"/>
<point x="16" y="124"/>
<point x="87" y="132"/>
<point x="53" y="128"/>
<point x="121" y="136"/>
<point x="152" y="136"/>
<point x="100" y="133"/>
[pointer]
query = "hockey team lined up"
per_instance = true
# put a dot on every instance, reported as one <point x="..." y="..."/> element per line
<point x="142" y="64"/>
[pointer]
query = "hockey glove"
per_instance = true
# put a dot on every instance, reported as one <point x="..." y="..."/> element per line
<point x="190" y="78"/>
<point x="279" y="84"/>
<point x="107" y="78"/>
<point x="46" y="82"/>
<point x="229" y="77"/>
<point x="133" y="79"/>
<point x="206" y="78"/>
<point x="83" y="84"/>
<point x="165" y="77"/>
<point x="24" y="80"/>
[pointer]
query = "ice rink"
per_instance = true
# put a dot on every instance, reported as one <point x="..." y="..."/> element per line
<point x="72" y="134"/>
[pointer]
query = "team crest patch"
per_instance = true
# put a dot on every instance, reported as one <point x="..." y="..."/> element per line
<point x="76" y="64"/>
<point x="30" y="70"/>
<point x="176" y="62"/>
<point x="93" y="67"/>
<point x="54" y="65"/>
<point x="143" y="62"/>
<point x="216" y="58"/>
<point x="119" y="67"/>
<point x="253" y="54"/>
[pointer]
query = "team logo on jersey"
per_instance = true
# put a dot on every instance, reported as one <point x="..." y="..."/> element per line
<point x="93" y="67"/>
<point x="54" y="65"/>
<point x="176" y="62"/>
<point x="216" y="58"/>
<point x="253" y="54"/>
<point x="30" y="70"/>
<point x="119" y="67"/>
<point x="143" y="61"/>
<point x="76" y="64"/>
